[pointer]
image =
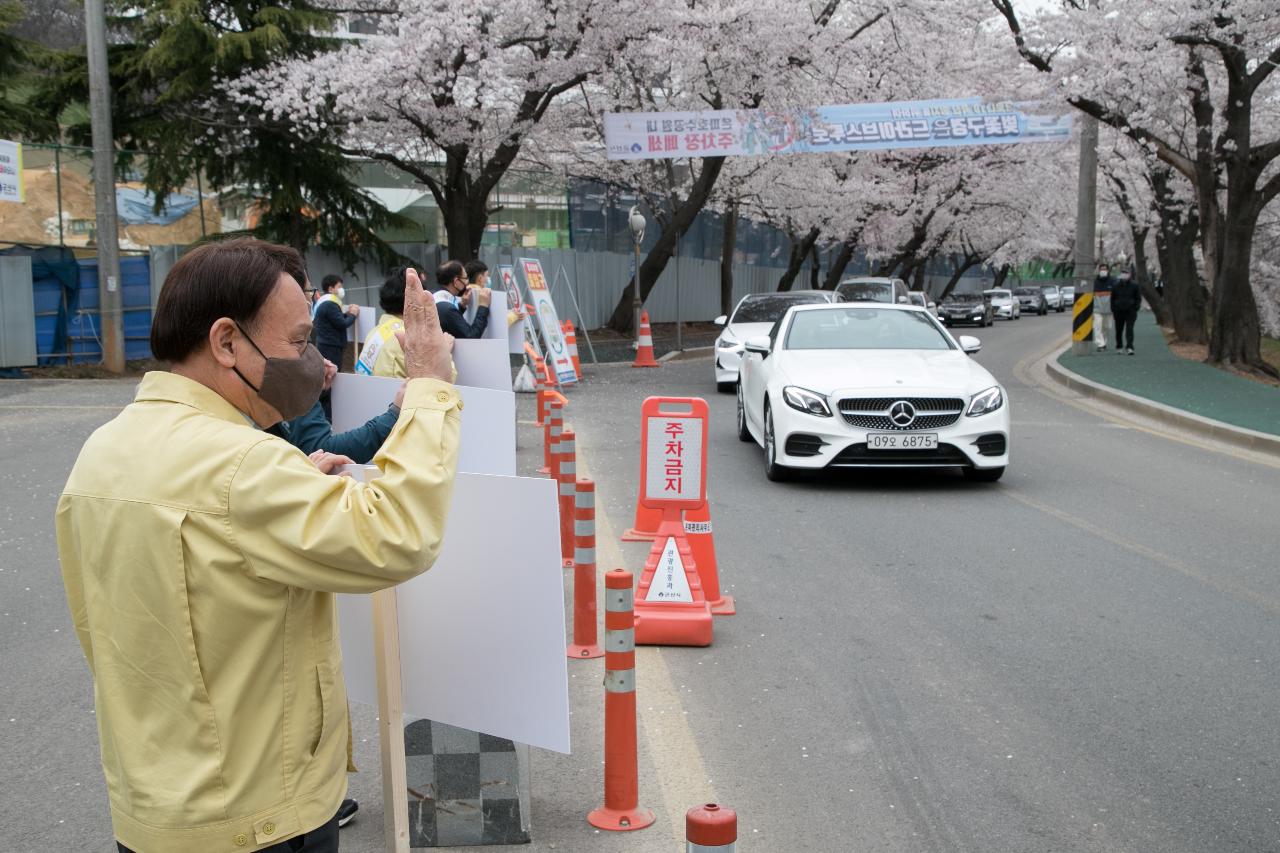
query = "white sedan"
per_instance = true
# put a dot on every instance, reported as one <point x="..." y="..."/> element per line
<point x="1006" y="305"/>
<point x="871" y="386"/>
<point x="754" y="315"/>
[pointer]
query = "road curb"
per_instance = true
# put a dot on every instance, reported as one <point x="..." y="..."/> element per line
<point x="1207" y="427"/>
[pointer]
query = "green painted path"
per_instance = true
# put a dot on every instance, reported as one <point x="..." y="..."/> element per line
<point x="1157" y="374"/>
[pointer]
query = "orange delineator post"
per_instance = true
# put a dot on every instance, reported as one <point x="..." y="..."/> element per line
<point x="697" y="527"/>
<point x="571" y="341"/>
<point x="621" y="810"/>
<point x="584" y="645"/>
<point x="644" y="344"/>
<point x="567" y="477"/>
<point x="671" y="607"/>
<point x="711" y="828"/>
<point x="543" y="391"/>
<point x="551" y="429"/>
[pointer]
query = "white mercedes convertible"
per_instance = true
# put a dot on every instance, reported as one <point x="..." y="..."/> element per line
<point x="870" y="386"/>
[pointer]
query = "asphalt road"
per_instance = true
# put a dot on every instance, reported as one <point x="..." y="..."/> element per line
<point x="1081" y="657"/>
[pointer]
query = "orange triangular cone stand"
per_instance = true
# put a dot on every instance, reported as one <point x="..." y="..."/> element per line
<point x="670" y="608"/>
<point x="644" y="345"/>
<point x="697" y="527"/>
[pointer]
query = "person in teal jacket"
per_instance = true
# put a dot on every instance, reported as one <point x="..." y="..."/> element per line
<point x="313" y="432"/>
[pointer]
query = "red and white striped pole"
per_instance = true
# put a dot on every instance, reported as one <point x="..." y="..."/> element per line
<point x="711" y="828"/>
<point x="551" y="435"/>
<point x="621" y="810"/>
<point x="544" y="390"/>
<point x="567" y="475"/>
<point x="584" y="645"/>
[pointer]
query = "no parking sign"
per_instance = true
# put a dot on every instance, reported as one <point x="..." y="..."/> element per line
<point x="673" y="452"/>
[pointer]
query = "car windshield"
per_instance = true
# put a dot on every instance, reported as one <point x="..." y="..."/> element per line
<point x="998" y="294"/>
<point x="864" y="327"/>
<point x="771" y="307"/>
<point x="962" y="298"/>
<point x="865" y="291"/>
<point x="1026" y="291"/>
<point x="918" y="299"/>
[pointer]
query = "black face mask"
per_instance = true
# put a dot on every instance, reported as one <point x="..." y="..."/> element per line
<point x="291" y="386"/>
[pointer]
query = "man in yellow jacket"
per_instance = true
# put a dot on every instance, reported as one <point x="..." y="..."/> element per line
<point x="201" y="554"/>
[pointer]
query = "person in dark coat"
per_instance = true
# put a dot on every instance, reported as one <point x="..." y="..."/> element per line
<point x="330" y="320"/>
<point x="454" y="297"/>
<point x="1126" y="299"/>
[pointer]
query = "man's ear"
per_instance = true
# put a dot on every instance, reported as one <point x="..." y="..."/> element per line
<point x="221" y="336"/>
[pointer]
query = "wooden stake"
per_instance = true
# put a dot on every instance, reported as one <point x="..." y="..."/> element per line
<point x="395" y="784"/>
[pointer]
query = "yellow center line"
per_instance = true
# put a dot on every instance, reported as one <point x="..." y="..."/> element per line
<point x="682" y="774"/>
<point x="1218" y="582"/>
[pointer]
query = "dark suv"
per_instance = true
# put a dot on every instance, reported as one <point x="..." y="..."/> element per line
<point x="972" y="308"/>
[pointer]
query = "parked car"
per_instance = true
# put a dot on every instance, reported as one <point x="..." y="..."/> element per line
<point x="1004" y="303"/>
<point x="870" y="386"/>
<point x="874" y="289"/>
<point x="755" y="314"/>
<point x="1032" y="300"/>
<point x="919" y="297"/>
<point x="1068" y="292"/>
<point x="972" y="308"/>
<point x="1053" y="296"/>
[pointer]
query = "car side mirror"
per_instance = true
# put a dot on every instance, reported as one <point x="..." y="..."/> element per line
<point x="903" y="300"/>
<point x="721" y="320"/>
<point x="970" y="344"/>
<point x="759" y="344"/>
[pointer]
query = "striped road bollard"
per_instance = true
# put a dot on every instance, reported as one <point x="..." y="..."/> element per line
<point x="584" y="645"/>
<point x="551" y="429"/>
<point x="544" y="390"/>
<point x="711" y="828"/>
<point x="568" y="479"/>
<point x="621" y="810"/>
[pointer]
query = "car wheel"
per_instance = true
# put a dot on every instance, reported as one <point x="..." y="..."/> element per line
<point x="983" y="475"/>
<point x="775" y="472"/>
<point x="725" y="387"/>
<point x="744" y="434"/>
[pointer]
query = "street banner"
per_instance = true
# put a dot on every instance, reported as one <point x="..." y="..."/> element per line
<point x="11" y="171"/>
<point x="548" y="321"/>
<point x="816" y="130"/>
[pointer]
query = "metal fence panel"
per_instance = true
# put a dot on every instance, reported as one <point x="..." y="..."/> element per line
<point x="17" y="313"/>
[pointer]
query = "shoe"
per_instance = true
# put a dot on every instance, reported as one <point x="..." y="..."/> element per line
<point x="1130" y="350"/>
<point x="347" y="812"/>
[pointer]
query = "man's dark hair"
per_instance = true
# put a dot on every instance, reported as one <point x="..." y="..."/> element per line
<point x="447" y="272"/>
<point x="391" y="294"/>
<point x="327" y="283"/>
<point x="475" y="268"/>
<point x="229" y="278"/>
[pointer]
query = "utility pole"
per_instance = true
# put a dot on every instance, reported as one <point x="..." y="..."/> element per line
<point x="1086" y="216"/>
<point x="104" y="188"/>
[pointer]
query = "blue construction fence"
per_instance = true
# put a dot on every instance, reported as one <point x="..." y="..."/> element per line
<point x="68" y="326"/>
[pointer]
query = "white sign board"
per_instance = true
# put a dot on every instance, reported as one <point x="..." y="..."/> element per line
<point x="11" y="171"/>
<point x="548" y="321"/>
<point x="483" y="364"/>
<point x="365" y="323"/>
<point x="673" y="457"/>
<point x="481" y="632"/>
<point x="516" y="331"/>
<point x="669" y="580"/>
<point x="488" y="419"/>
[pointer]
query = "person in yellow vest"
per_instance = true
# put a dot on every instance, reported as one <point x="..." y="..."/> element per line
<point x="382" y="354"/>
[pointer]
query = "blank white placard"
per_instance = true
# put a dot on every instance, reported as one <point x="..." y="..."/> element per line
<point x="483" y="363"/>
<point x="488" y="419"/>
<point x="481" y="633"/>
<point x="365" y="322"/>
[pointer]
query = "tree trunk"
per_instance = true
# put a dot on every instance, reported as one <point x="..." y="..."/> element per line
<point x="465" y="216"/>
<point x="1001" y="275"/>
<point x="1175" y="244"/>
<point x="795" y="258"/>
<point x="727" y="249"/>
<point x="1236" y="333"/>
<point x="1143" y="275"/>
<point x="815" y="269"/>
<point x="969" y="262"/>
<point x="655" y="262"/>
<point x="838" y="265"/>
<point x="918" y="282"/>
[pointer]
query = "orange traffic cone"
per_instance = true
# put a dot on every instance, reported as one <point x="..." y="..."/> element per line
<point x="571" y="340"/>
<point x="671" y="608"/>
<point x="697" y="528"/>
<point x="644" y="350"/>
<point x="645" y="526"/>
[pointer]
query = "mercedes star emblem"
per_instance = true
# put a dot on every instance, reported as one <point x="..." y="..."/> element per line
<point x="902" y="413"/>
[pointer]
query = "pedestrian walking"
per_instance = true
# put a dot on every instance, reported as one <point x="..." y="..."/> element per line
<point x="201" y="554"/>
<point x="1126" y="300"/>
<point x="1103" y="322"/>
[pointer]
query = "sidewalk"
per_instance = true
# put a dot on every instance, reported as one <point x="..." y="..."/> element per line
<point x="1157" y="375"/>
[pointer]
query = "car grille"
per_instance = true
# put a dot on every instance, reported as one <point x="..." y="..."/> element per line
<point x="858" y="456"/>
<point x="873" y="412"/>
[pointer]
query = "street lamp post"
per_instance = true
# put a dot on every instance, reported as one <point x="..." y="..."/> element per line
<point x="636" y="220"/>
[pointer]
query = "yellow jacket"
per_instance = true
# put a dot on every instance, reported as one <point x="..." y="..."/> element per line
<point x="382" y="354"/>
<point x="200" y="557"/>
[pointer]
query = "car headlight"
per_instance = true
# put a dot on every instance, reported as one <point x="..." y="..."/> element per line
<point x="985" y="401"/>
<point x="806" y="401"/>
<point x="727" y="341"/>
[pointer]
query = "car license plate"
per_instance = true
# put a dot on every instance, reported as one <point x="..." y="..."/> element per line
<point x="902" y="441"/>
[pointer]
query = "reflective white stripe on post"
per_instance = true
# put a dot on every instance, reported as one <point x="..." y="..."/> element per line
<point x="584" y="556"/>
<point x="583" y="526"/>
<point x="690" y="847"/>
<point x="619" y="600"/>
<point x="620" y="641"/>
<point x="620" y="681"/>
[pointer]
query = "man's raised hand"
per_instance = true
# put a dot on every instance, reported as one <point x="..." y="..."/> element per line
<point x="427" y="349"/>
